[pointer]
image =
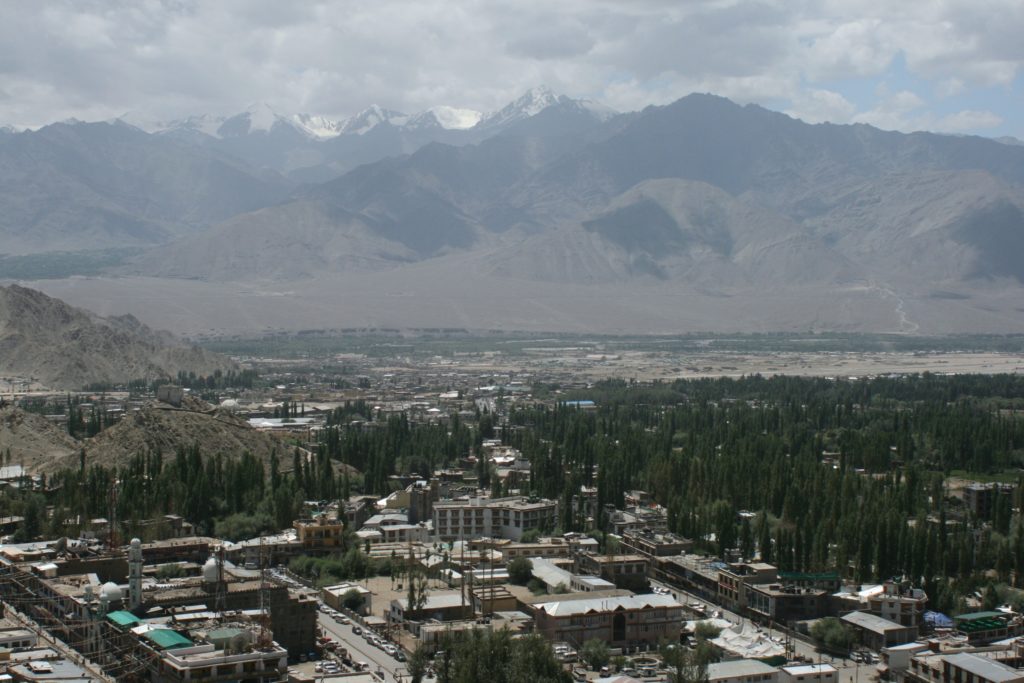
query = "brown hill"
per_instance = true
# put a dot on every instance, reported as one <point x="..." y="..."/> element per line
<point x="165" y="428"/>
<point x="68" y="348"/>
<point x="33" y="441"/>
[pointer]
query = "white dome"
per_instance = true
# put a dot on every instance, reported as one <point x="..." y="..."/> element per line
<point x="136" y="543"/>
<point x="110" y="592"/>
<point x="229" y="403"/>
<point x="210" y="571"/>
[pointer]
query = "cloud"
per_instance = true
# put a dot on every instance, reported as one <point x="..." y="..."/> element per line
<point x="99" y="58"/>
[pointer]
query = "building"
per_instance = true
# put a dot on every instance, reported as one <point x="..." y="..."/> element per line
<point x="895" y="659"/>
<point x="733" y="580"/>
<point x="808" y="673"/>
<point x="320" y="533"/>
<point x="626" y="621"/>
<point x="875" y="632"/>
<point x="654" y="544"/>
<point x="495" y="517"/>
<point x="442" y="606"/>
<point x="896" y="603"/>
<point x="980" y="499"/>
<point x="228" y="655"/>
<point x="625" y="571"/>
<point x="742" y="671"/>
<point x="962" y="667"/>
<point x="784" y="604"/>
<point x="985" y="627"/>
<point x="334" y="596"/>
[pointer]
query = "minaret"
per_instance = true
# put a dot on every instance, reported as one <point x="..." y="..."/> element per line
<point x="135" y="574"/>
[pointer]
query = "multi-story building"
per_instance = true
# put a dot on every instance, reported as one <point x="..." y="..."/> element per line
<point x="625" y="571"/>
<point x="321" y="533"/>
<point x="626" y="621"/>
<point x="962" y="667"/>
<point x="896" y="603"/>
<point x="654" y="544"/>
<point x="980" y="499"/>
<point x="734" y="579"/>
<point x="783" y="603"/>
<point x="495" y="517"/>
<point x="876" y="632"/>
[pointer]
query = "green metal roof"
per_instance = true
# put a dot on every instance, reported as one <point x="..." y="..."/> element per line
<point x="166" y="639"/>
<point x="810" y="576"/>
<point x="123" y="618"/>
<point x="972" y="616"/>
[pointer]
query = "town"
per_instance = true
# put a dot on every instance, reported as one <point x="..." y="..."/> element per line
<point x="383" y="572"/>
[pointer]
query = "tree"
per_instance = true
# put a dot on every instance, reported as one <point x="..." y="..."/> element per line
<point x="353" y="600"/>
<point x="520" y="571"/>
<point x="494" y="656"/>
<point x="595" y="653"/>
<point x="418" y="663"/>
<point x="684" y="665"/>
<point x="832" y="634"/>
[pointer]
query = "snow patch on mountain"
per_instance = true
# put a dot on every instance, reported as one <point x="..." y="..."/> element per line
<point x="370" y="118"/>
<point x="319" y="127"/>
<point x="443" y="116"/>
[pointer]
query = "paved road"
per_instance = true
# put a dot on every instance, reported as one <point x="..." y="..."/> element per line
<point x="361" y="651"/>
<point x="849" y="671"/>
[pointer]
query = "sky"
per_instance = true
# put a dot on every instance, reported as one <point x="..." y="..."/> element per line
<point x="951" y="66"/>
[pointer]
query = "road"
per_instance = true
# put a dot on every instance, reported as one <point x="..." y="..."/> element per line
<point x="361" y="651"/>
<point x="849" y="671"/>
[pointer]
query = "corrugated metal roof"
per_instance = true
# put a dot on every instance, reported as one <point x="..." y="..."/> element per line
<point x="984" y="667"/>
<point x="123" y="618"/>
<point x="166" y="639"/>
<point x="570" y="607"/>
<point x="871" y="622"/>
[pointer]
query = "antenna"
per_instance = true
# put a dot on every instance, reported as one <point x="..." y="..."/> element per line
<point x="264" y="637"/>
<point x="221" y="596"/>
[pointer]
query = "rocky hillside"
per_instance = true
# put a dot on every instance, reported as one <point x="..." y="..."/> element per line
<point x="68" y="348"/>
<point x="165" y="428"/>
<point x="34" y="442"/>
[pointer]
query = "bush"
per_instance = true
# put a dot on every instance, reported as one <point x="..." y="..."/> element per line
<point x="832" y="634"/>
<point x="520" y="571"/>
<point x="705" y="630"/>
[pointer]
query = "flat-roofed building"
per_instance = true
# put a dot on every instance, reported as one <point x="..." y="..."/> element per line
<point x="625" y="571"/>
<point x="742" y="671"/>
<point x="808" y="673"/>
<point x="494" y="517"/>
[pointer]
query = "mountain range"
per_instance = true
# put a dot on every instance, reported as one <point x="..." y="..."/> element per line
<point x="698" y="215"/>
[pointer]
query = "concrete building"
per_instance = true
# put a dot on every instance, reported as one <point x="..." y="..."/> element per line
<point x="442" y="606"/>
<point x="784" y="604"/>
<point x="980" y="499"/>
<point x="625" y="571"/>
<point x="627" y="621"/>
<point x="495" y="517"/>
<point x="319" y="534"/>
<point x="654" y="544"/>
<point x="808" y="673"/>
<point x="742" y="671"/>
<point x="896" y="603"/>
<point x="875" y="632"/>
<point x="333" y="596"/>
<point x="962" y="667"/>
<point x="733" y="580"/>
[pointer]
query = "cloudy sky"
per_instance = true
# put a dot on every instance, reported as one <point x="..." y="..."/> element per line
<point x="948" y="65"/>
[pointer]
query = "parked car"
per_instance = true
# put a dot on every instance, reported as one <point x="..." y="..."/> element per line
<point x="356" y="630"/>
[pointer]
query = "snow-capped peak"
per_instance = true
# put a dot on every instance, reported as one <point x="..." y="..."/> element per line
<point x="534" y="101"/>
<point x="319" y="127"/>
<point x="531" y="103"/>
<point x="443" y="116"/>
<point x="371" y="117"/>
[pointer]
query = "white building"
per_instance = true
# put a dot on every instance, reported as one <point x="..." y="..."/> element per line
<point x="495" y="517"/>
